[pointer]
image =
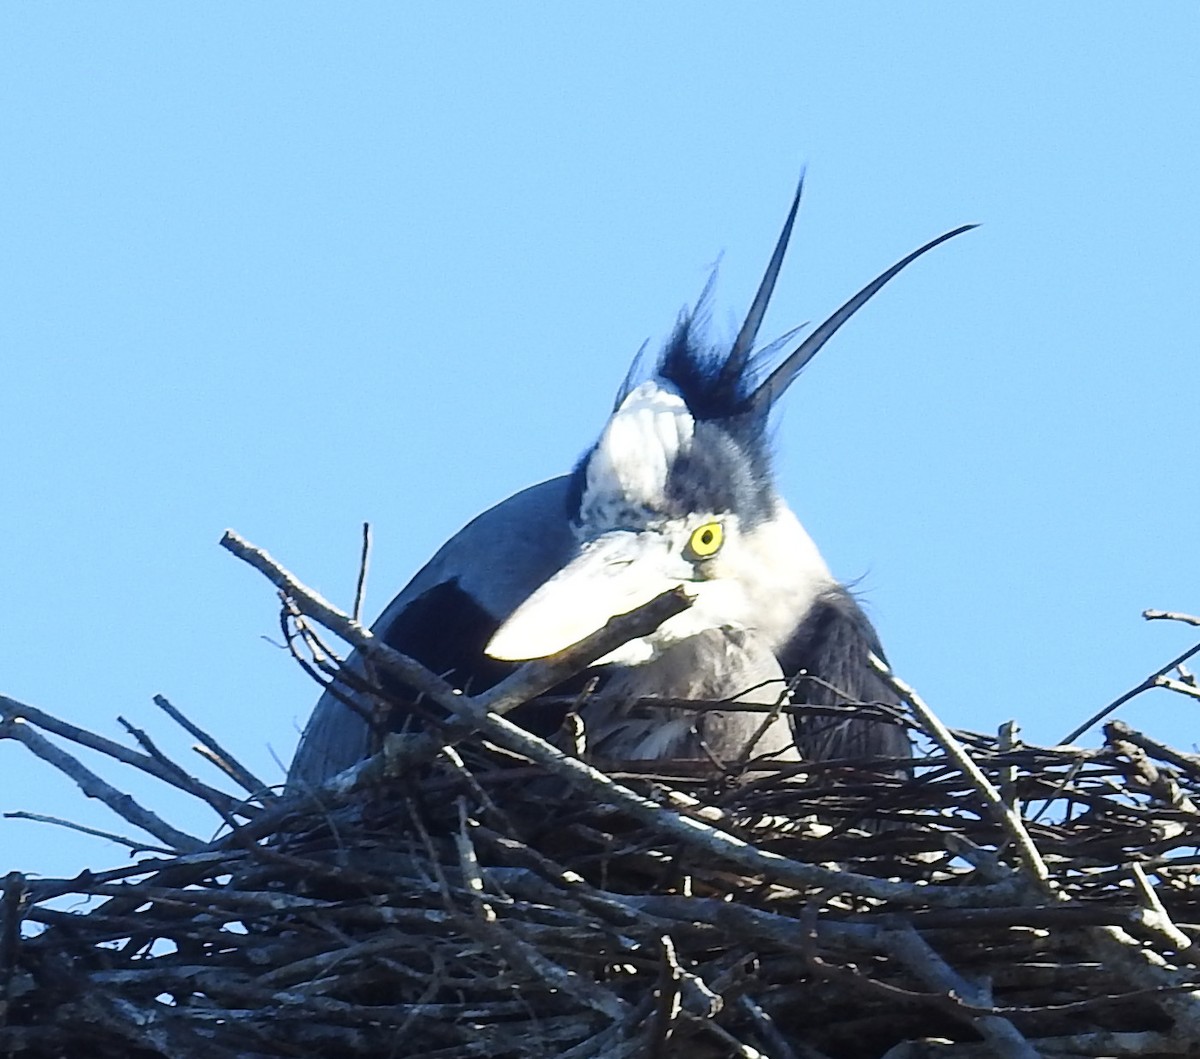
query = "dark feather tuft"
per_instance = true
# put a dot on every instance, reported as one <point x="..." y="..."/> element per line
<point x="698" y="370"/>
<point x="729" y="466"/>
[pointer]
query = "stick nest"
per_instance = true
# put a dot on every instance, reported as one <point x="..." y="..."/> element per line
<point x="483" y="894"/>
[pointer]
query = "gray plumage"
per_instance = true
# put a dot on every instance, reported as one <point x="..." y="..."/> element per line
<point x="677" y="491"/>
<point x="716" y="665"/>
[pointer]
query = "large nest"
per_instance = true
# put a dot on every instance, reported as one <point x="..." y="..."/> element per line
<point x="480" y="893"/>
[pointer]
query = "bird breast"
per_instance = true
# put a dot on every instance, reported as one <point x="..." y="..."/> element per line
<point x="716" y="665"/>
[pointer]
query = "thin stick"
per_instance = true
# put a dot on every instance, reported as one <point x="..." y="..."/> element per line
<point x="1120" y="701"/>
<point x="93" y="786"/>
<point x="1154" y="916"/>
<point x="12" y="711"/>
<point x="220" y="802"/>
<point x="218" y="754"/>
<point x="941" y="735"/>
<point x="129" y="843"/>
<point x="529" y="681"/>
<point x="1190" y="763"/>
<point x="1177" y="686"/>
<point x="411" y="672"/>
<point x="927" y="965"/>
<point x="364" y="560"/>
<point x="1170" y="615"/>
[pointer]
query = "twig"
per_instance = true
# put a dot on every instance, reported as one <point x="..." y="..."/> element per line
<point x="468" y="861"/>
<point x="1120" y="700"/>
<point x="11" y="710"/>
<point x="731" y="1045"/>
<point x="326" y="669"/>
<point x="1170" y="615"/>
<point x="1153" y="915"/>
<point x="770" y="1032"/>
<point x="1150" y="969"/>
<point x="941" y="735"/>
<point x="93" y="786"/>
<point x="1008" y="740"/>
<point x="1190" y="763"/>
<point x="1161" y="784"/>
<point x="218" y="754"/>
<point x="1177" y="686"/>
<point x="132" y="845"/>
<point x="553" y="974"/>
<point x="220" y="802"/>
<point x="529" y="681"/>
<point x="363" y="563"/>
<point x="920" y="958"/>
<point x="772" y="716"/>
<point x="669" y="1003"/>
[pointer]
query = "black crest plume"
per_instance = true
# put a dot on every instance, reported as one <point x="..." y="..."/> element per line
<point x="782" y="377"/>
<point x="739" y="356"/>
<point x="721" y="385"/>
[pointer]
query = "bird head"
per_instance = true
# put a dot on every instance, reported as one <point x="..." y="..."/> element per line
<point x="677" y="492"/>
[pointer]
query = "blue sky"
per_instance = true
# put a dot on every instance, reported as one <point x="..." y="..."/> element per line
<point x="289" y="267"/>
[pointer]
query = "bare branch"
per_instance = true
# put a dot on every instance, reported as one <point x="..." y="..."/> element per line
<point x="1170" y="615"/>
<point x="363" y="565"/>
<point x="1120" y="700"/>
<point x="110" y="836"/>
<point x="216" y="753"/>
<point x="1178" y="686"/>
<point x="919" y="957"/>
<point x="94" y="787"/>
<point x="940" y="734"/>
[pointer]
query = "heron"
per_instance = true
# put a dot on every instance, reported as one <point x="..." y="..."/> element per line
<point x="677" y="490"/>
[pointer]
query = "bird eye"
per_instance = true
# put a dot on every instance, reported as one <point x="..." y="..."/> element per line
<point x="706" y="540"/>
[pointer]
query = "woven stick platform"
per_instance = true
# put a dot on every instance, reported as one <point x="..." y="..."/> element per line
<point x="475" y="891"/>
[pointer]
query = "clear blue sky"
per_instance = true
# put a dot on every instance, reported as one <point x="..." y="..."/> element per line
<point x="289" y="267"/>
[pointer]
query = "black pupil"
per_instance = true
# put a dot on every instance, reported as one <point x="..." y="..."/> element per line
<point x="706" y="537"/>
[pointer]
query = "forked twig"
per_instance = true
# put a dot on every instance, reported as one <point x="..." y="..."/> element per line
<point x="217" y="753"/>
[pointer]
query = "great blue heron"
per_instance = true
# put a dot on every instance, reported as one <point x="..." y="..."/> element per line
<point x="677" y="491"/>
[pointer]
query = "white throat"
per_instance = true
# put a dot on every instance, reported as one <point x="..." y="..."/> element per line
<point x="781" y="573"/>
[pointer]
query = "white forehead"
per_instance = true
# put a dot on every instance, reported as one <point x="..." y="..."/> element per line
<point x="627" y="471"/>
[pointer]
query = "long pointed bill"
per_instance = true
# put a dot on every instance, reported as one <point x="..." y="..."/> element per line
<point x="612" y="575"/>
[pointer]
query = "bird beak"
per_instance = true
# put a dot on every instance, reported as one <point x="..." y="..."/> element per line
<point x="611" y="575"/>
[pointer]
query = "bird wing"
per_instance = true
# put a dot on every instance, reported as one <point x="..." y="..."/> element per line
<point x="446" y="614"/>
<point x="832" y="646"/>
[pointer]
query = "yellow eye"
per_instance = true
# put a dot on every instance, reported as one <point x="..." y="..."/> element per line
<point x="706" y="540"/>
